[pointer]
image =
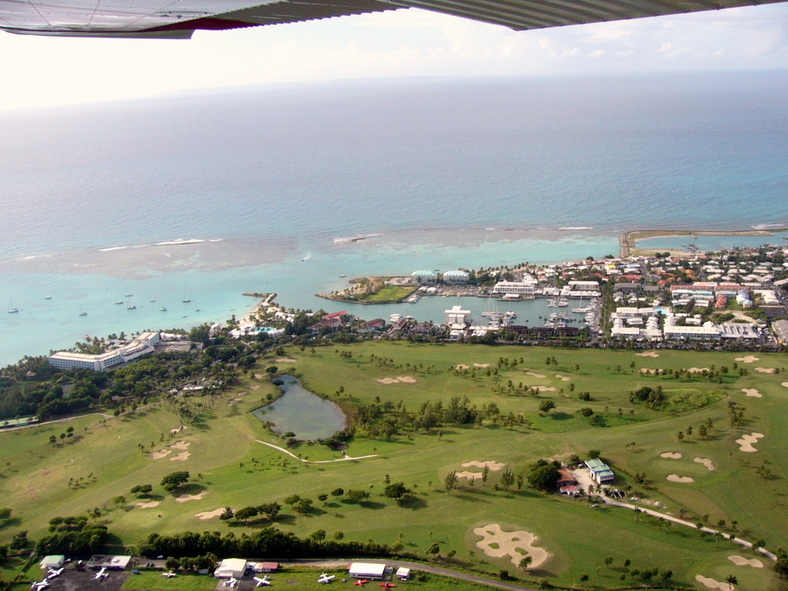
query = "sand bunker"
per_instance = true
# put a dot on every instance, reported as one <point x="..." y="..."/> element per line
<point x="182" y="445"/>
<point x="748" y="359"/>
<point x="752" y="392"/>
<point x="148" y="505"/>
<point x="784" y="384"/>
<point x="746" y="441"/>
<point x="461" y="366"/>
<point x="697" y="369"/>
<point x="494" y="466"/>
<point x="706" y="462"/>
<point x="765" y="369"/>
<point x="562" y="378"/>
<point x="197" y="497"/>
<point x="181" y="457"/>
<point x="713" y="583"/>
<point x="254" y="387"/>
<point x="647" y="354"/>
<point x="515" y="544"/>
<point x="671" y="455"/>
<point x="534" y="374"/>
<point x="178" y="430"/>
<point x="544" y="388"/>
<point x="285" y="360"/>
<point x="681" y="479"/>
<point x="742" y="561"/>
<point x="481" y="365"/>
<point x="209" y="514"/>
<point x="162" y="453"/>
<point x="397" y="380"/>
<point x="469" y="475"/>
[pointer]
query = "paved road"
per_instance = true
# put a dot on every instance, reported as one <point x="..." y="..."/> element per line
<point x="427" y="568"/>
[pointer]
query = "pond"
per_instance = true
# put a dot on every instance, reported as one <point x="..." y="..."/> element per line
<point x="298" y="410"/>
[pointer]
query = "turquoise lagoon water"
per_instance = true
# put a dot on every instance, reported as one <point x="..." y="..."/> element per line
<point x="439" y="174"/>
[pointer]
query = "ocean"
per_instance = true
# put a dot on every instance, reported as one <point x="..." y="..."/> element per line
<point x="271" y="185"/>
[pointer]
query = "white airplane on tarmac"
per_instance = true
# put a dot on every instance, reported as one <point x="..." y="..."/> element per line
<point x="264" y="582"/>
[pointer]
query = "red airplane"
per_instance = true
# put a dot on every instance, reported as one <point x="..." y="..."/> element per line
<point x="387" y="585"/>
<point x="361" y="582"/>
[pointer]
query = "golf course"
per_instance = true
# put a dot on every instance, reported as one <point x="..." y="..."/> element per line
<point x="696" y="436"/>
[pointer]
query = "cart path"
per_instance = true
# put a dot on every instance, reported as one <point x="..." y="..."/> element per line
<point x="292" y="455"/>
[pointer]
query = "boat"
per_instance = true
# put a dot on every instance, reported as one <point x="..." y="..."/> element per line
<point x="132" y="307"/>
<point x="162" y="309"/>
<point x="343" y="275"/>
<point x="197" y="310"/>
<point x="13" y="310"/>
<point x="83" y="313"/>
<point x="152" y="300"/>
<point x="119" y="302"/>
<point x="394" y="318"/>
<point x="47" y="297"/>
<point x="186" y="301"/>
<point x="129" y="295"/>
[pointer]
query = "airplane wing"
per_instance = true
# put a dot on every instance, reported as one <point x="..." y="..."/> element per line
<point x="178" y="19"/>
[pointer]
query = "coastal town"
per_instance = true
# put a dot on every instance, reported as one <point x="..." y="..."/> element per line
<point x="733" y="299"/>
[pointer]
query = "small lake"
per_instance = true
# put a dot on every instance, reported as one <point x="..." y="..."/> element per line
<point x="298" y="410"/>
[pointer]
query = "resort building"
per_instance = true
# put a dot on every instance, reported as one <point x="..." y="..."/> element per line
<point x="456" y="276"/>
<point x="142" y="345"/>
<point x="424" y="276"/>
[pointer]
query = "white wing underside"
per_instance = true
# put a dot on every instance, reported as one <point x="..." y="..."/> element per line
<point x="179" y="18"/>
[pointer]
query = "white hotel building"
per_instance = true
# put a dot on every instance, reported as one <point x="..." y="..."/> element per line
<point x="138" y="347"/>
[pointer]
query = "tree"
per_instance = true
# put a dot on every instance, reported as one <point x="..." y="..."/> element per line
<point x="525" y="562"/>
<point x="608" y="561"/>
<point x="119" y="500"/>
<point x="543" y="476"/>
<point x="141" y="489"/>
<point x="246" y="513"/>
<point x="546" y="406"/>
<point x="507" y="478"/>
<point x="450" y="482"/>
<point x="731" y="580"/>
<point x="396" y="490"/>
<point x="174" y="479"/>
<point x="593" y="454"/>
<point x="434" y="549"/>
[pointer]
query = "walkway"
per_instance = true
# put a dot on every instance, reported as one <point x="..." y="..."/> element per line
<point x="346" y="458"/>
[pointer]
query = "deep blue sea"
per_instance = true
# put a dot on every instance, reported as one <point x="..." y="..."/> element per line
<point x="437" y="173"/>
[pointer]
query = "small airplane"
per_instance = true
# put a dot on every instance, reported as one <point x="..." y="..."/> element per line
<point x="387" y="585"/>
<point x="324" y="578"/>
<point x="169" y="575"/>
<point x="101" y="574"/>
<point x="54" y="573"/>
<point x="231" y="582"/>
<point x="264" y="582"/>
<point x="40" y="586"/>
<point x="361" y="582"/>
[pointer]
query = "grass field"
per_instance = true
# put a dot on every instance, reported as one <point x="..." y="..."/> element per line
<point x="230" y="468"/>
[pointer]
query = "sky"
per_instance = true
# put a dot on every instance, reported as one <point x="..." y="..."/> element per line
<point x="43" y="72"/>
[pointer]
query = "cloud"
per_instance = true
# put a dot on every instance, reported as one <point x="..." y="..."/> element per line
<point x="49" y="71"/>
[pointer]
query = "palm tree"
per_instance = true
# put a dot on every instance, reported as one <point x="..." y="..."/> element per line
<point x="731" y="580"/>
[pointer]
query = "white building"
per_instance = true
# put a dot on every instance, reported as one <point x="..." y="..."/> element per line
<point x="525" y="287"/>
<point x="136" y="348"/>
<point x="424" y="276"/>
<point x="456" y="276"/>
<point x="366" y="570"/>
<point x="230" y="567"/>
<point x="457" y="316"/>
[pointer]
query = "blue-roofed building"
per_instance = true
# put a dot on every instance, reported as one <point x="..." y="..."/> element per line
<point x="600" y="471"/>
<point x="456" y="276"/>
<point x="425" y="276"/>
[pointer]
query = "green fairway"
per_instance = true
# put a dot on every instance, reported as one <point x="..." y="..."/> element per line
<point x="505" y="386"/>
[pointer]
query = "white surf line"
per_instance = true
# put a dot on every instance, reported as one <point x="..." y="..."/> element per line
<point x="685" y="523"/>
<point x="292" y="455"/>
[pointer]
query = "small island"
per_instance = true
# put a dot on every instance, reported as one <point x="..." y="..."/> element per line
<point x="374" y="290"/>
